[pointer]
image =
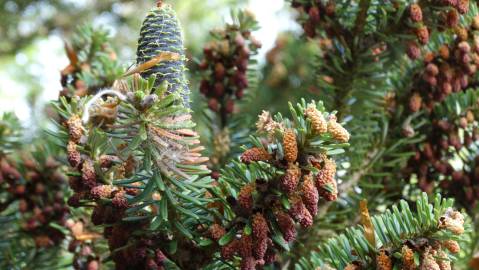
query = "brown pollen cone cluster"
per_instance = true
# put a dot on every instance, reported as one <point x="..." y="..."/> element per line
<point x="316" y="13"/>
<point x="431" y="163"/>
<point x="422" y="22"/>
<point x="450" y="69"/>
<point x="225" y="67"/>
<point x="259" y="202"/>
<point x="38" y="188"/>
<point x="447" y="70"/>
<point x="432" y="253"/>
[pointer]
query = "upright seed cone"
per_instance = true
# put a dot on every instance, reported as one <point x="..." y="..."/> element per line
<point x="160" y="33"/>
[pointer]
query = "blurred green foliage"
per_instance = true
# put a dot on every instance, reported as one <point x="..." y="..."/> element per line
<point x="29" y="26"/>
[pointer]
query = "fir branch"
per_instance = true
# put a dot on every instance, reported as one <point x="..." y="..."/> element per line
<point x="342" y="79"/>
<point x="396" y="230"/>
<point x="143" y="178"/>
<point x="277" y="182"/>
<point x="229" y="79"/>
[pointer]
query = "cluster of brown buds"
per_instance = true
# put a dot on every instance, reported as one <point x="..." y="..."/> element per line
<point x="315" y="13"/>
<point x="86" y="179"/>
<point x="142" y="253"/>
<point x="421" y="26"/>
<point x="432" y="159"/>
<point x="447" y="70"/>
<point x="38" y="189"/>
<point x="378" y="50"/>
<point x="433" y="254"/>
<point x="88" y="184"/>
<point x="305" y="176"/>
<point x="225" y="65"/>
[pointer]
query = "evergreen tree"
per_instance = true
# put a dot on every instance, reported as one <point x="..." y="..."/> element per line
<point x="394" y="131"/>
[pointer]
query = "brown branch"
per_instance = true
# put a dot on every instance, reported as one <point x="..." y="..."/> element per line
<point x="362" y="16"/>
